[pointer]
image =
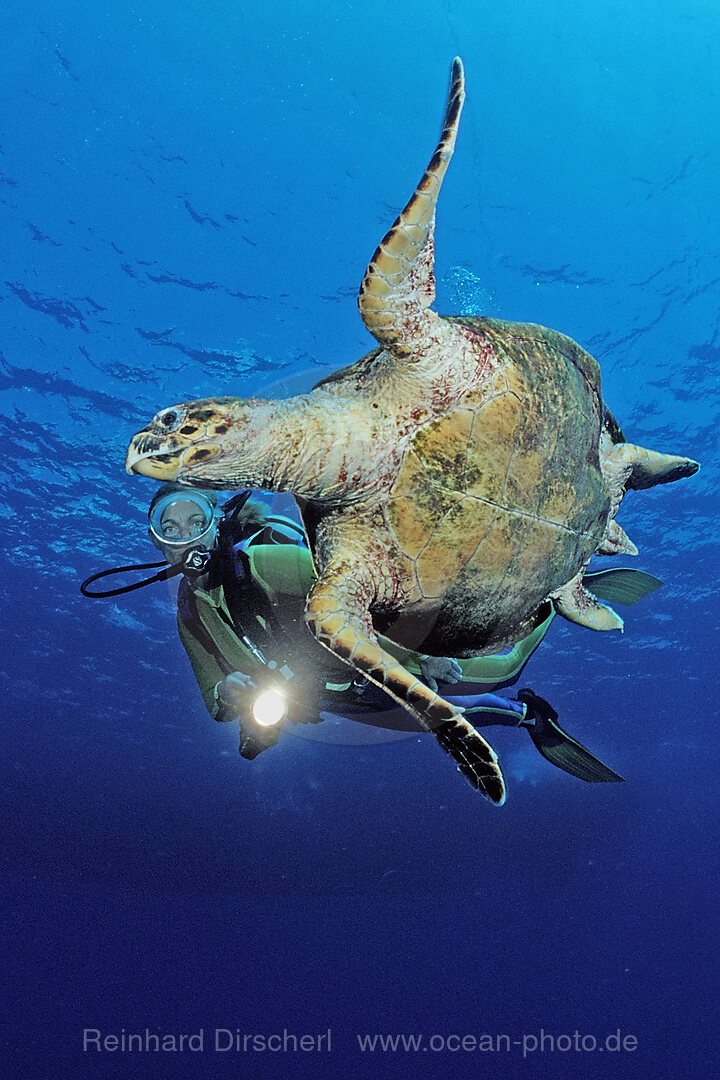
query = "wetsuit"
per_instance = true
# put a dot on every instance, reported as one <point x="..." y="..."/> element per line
<point x="274" y="580"/>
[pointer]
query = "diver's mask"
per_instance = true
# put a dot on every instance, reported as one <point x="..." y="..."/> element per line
<point x="181" y="518"/>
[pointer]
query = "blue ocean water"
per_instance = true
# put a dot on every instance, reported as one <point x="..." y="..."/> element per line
<point x="189" y="195"/>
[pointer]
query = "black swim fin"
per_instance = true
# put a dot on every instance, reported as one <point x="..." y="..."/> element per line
<point x="621" y="585"/>
<point x="558" y="747"/>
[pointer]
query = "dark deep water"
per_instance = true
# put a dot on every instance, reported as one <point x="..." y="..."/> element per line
<point x="189" y="195"/>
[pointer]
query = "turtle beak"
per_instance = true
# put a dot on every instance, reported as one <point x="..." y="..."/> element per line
<point x="143" y="458"/>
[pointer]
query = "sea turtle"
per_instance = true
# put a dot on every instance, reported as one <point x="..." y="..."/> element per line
<point x="453" y="483"/>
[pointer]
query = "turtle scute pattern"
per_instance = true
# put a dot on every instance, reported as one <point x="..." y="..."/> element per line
<point x="500" y="490"/>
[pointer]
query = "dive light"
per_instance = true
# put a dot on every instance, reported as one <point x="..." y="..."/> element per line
<point x="269" y="708"/>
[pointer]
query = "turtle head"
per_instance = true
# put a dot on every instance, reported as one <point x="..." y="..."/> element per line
<point x="192" y="443"/>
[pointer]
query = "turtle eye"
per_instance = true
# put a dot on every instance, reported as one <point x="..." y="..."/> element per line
<point x="167" y="421"/>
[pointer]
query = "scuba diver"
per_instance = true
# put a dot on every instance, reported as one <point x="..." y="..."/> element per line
<point x="245" y="578"/>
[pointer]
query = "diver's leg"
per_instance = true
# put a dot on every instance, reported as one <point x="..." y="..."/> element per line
<point x="504" y="669"/>
<point x="539" y="719"/>
<point x="488" y="710"/>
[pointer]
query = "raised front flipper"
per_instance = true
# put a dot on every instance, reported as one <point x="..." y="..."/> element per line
<point x="399" y="284"/>
<point x="337" y="613"/>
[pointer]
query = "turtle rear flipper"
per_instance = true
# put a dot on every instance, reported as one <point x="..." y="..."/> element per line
<point x="577" y="604"/>
<point x="559" y="748"/>
<point x="339" y="620"/>
<point x="641" y="468"/>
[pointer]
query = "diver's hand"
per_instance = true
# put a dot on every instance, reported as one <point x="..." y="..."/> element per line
<point x="440" y="669"/>
<point x="233" y="691"/>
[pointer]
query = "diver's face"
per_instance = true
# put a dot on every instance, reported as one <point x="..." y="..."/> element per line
<point x="182" y="520"/>
<point x="184" y="525"/>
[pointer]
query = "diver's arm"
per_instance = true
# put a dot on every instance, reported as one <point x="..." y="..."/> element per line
<point x="206" y="669"/>
<point x="210" y="677"/>
<point x="282" y="570"/>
